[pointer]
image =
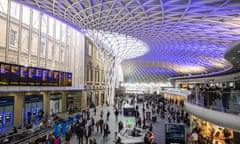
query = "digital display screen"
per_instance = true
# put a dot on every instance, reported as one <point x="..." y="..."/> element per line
<point x="38" y="77"/>
<point x="44" y="77"/>
<point x="56" y="78"/>
<point x="65" y="79"/>
<point x="15" y="73"/>
<point x="129" y="112"/>
<point x="69" y="79"/>
<point x="23" y="79"/>
<point x="60" y="79"/>
<point x="31" y="76"/>
<point x="5" y="70"/>
<point x="50" y="78"/>
<point x="12" y="74"/>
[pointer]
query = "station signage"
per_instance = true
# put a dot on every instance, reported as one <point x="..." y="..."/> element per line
<point x="18" y="75"/>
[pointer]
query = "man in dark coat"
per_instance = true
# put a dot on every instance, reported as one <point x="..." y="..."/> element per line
<point x="105" y="129"/>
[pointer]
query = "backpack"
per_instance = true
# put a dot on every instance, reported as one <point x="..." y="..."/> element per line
<point x="57" y="140"/>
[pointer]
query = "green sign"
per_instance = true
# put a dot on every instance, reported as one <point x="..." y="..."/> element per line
<point x="130" y="120"/>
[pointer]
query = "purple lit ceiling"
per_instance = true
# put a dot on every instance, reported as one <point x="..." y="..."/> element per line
<point x="184" y="36"/>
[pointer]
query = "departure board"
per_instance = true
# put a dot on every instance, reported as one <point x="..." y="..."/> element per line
<point x="38" y="77"/>
<point x="5" y="70"/>
<point x="14" y="76"/>
<point x="19" y="75"/>
<point x="60" y="82"/>
<point x="50" y="78"/>
<point x="23" y="78"/>
<point x="56" y="78"/>
<point x="44" y="81"/>
<point x="31" y="76"/>
<point x="65" y="79"/>
<point x="69" y="79"/>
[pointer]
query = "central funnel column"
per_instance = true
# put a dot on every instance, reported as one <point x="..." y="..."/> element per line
<point x="111" y="65"/>
<point x="113" y="48"/>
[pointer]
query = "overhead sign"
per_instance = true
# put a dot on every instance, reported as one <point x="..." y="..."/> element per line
<point x="19" y="75"/>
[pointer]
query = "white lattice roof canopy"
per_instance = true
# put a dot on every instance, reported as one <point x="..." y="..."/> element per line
<point x="183" y="36"/>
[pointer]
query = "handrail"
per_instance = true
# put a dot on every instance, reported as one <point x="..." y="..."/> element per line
<point x="33" y="136"/>
<point x="218" y="100"/>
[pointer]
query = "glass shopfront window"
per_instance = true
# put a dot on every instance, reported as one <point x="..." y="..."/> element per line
<point x="6" y="111"/>
<point x="33" y="109"/>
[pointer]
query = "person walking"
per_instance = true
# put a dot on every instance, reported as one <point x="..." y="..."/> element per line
<point x="101" y="114"/>
<point x="116" y="114"/>
<point x="101" y="122"/>
<point x="105" y="129"/>
<point x="97" y="125"/>
<point x="108" y="114"/>
<point x="80" y="132"/>
<point x="95" y="110"/>
<point x="87" y="133"/>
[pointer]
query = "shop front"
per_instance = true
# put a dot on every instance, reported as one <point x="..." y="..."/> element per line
<point x="33" y="108"/>
<point x="55" y="103"/>
<point x="6" y="111"/>
<point x="212" y="133"/>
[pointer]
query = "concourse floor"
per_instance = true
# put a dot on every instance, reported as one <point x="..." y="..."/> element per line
<point x="158" y="127"/>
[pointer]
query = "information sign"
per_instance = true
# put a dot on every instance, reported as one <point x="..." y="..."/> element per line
<point x="5" y="70"/>
<point x="14" y="76"/>
<point x="174" y="133"/>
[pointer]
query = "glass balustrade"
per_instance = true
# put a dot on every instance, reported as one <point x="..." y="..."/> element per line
<point x="228" y="102"/>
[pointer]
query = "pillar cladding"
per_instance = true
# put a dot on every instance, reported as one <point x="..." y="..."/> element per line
<point x="18" y="108"/>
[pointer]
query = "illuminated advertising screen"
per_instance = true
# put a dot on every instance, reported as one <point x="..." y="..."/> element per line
<point x="44" y="77"/>
<point x="23" y="78"/>
<point x="56" y="78"/>
<point x="5" y="70"/>
<point x="31" y="76"/>
<point x="14" y="76"/>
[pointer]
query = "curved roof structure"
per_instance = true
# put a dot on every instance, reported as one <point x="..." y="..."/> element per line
<point x="184" y="37"/>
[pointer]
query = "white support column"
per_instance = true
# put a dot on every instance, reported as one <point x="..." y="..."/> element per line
<point x="39" y="39"/>
<point x="30" y="37"/>
<point x="8" y="30"/>
<point x="20" y="35"/>
<point x="47" y="43"/>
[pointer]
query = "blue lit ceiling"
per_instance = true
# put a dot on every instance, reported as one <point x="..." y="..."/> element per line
<point x="185" y="37"/>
